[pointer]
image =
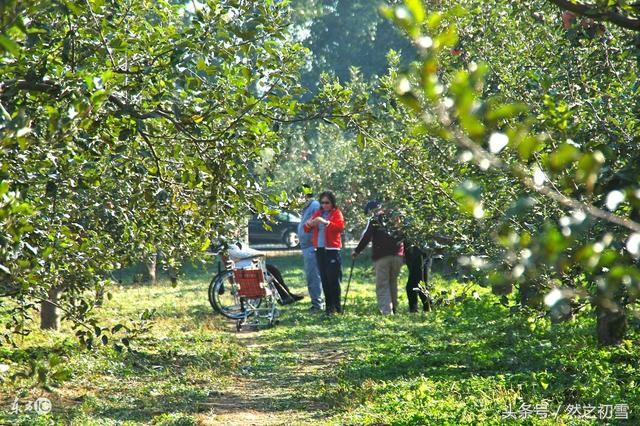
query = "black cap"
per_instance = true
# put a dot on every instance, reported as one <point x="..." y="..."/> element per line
<point x="372" y="205"/>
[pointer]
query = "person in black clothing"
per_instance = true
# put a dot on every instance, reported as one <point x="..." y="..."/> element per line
<point x="286" y="295"/>
<point x="415" y="260"/>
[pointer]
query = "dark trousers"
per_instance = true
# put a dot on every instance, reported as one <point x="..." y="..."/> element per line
<point x="278" y="282"/>
<point x="417" y="272"/>
<point x="330" y="268"/>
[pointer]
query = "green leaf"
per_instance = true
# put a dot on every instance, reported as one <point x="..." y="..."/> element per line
<point x="434" y="19"/>
<point x="527" y="146"/>
<point x="472" y="125"/>
<point x="506" y="111"/>
<point x="412" y="101"/>
<point x="449" y="37"/>
<point x="73" y="8"/>
<point x="416" y="9"/>
<point x="588" y="168"/>
<point x="98" y="97"/>
<point x="386" y="11"/>
<point x="9" y="45"/>
<point x="4" y="187"/>
<point x="468" y="194"/>
<point x="565" y="154"/>
<point x="5" y="113"/>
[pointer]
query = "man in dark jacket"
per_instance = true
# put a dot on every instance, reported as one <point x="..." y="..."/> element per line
<point x="387" y="255"/>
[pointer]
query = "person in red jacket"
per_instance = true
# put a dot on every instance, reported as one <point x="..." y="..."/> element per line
<point x="327" y="224"/>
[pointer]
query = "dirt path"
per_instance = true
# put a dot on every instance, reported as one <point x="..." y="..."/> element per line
<point x="272" y="391"/>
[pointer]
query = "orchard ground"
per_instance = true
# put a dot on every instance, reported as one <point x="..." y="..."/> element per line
<point x="473" y="362"/>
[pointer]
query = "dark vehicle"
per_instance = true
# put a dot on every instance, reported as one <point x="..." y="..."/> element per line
<point x="284" y="230"/>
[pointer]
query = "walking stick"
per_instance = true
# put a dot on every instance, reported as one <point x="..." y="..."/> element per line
<point x="346" y="293"/>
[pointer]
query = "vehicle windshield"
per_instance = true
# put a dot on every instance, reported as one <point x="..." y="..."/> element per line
<point x="287" y="217"/>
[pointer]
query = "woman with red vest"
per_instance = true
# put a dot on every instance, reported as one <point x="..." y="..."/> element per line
<point x="327" y="224"/>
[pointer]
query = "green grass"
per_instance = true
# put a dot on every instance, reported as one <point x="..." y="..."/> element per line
<point x="462" y="364"/>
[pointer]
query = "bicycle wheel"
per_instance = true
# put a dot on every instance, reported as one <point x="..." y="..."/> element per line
<point x="223" y="296"/>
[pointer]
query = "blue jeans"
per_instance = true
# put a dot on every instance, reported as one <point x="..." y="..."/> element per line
<point x="312" y="275"/>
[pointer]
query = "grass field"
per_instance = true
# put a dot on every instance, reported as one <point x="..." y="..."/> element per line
<point x="462" y="364"/>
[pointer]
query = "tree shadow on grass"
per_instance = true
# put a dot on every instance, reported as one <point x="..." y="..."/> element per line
<point x="190" y="314"/>
<point x="144" y="409"/>
<point x="168" y="373"/>
<point x="264" y="389"/>
<point x="473" y="340"/>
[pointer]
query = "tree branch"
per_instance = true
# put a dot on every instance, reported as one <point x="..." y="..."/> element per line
<point x="517" y="170"/>
<point x="154" y="155"/>
<point x="236" y="120"/>
<point x="592" y="11"/>
<point x="102" y="37"/>
<point x="30" y="86"/>
<point x="409" y="164"/>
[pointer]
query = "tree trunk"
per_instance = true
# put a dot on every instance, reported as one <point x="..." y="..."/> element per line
<point x="611" y="326"/>
<point x="49" y="315"/>
<point x="152" y="275"/>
